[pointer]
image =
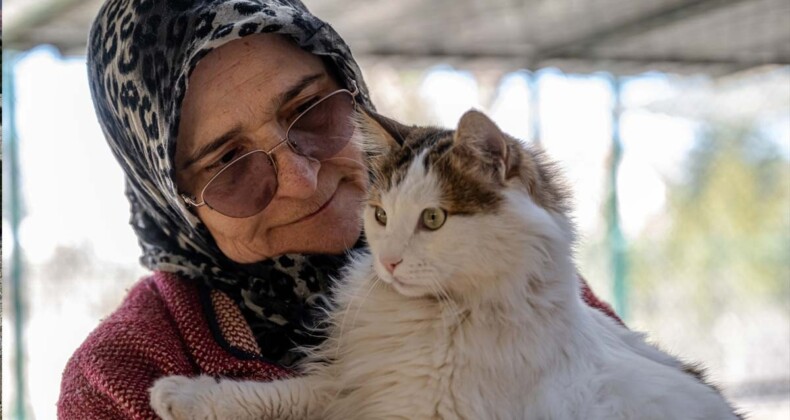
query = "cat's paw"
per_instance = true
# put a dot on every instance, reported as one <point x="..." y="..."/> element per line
<point x="182" y="398"/>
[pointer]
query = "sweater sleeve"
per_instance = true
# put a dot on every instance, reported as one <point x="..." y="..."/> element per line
<point x="108" y="377"/>
<point x="80" y="399"/>
<point x="589" y="297"/>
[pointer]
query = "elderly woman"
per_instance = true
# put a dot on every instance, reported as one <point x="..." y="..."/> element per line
<point x="230" y="119"/>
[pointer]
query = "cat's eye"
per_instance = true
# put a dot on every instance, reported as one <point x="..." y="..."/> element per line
<point x="433" y="218"/>
<point x="381" y="215"/>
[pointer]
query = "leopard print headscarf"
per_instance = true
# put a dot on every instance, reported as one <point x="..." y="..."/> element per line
<point x="140" y="55"/>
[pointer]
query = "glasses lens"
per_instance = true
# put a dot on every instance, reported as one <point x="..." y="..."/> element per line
<point x="324" y="129"/>
<point x="243" y="188"/>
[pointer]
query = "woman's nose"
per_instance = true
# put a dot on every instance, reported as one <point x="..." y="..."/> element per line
<point x="297" y="175"/>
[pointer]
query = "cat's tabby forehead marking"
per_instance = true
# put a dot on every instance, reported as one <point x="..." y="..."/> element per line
<point x="465" y="188"/>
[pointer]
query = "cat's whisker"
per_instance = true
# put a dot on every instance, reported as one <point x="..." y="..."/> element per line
<point x="342" y="324"/>
<point x="370" y="288"/>
<point x="443" y="300"/>
<point x="445" y="297"/>
<point x="441" y="293"/>
<point x="446" y="324"/>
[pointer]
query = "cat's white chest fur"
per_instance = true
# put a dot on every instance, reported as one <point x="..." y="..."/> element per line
<point x="423" y="358"/>
<point x="402" y="349"/>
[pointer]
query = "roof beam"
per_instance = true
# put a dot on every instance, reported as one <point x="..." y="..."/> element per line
<point x="652" y="59"/>
<point x="643" y="24"/>
<point x="433" y="54"/>
<point x="41" y="13"/>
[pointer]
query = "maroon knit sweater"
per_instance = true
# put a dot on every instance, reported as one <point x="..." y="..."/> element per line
<point x="167" y="326"/>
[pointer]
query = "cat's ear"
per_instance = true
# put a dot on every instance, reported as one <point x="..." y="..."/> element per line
<point x="396" y="131"/>
<point x="380" y="134"/>
<point x="476" y="130"/>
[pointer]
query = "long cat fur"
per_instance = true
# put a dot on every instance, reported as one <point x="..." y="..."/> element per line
<point x="485" y="320"/>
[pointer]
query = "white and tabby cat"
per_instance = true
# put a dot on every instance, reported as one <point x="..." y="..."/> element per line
<point x="467" y="306"/>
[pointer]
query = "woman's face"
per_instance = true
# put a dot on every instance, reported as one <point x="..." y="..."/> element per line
<point x="247" y="92"/>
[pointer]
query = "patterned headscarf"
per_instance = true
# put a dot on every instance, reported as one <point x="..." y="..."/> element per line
<point x="140" y="56"/>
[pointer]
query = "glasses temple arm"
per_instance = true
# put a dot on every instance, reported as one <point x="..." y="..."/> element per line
<point x="191" y="201"/>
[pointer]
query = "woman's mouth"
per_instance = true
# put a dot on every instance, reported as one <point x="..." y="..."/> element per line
<point x="319" y="210"/>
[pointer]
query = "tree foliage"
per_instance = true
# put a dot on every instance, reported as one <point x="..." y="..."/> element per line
<point x="727" y="236"/>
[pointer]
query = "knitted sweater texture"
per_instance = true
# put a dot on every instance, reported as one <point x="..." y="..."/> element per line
<point x="168" y="325"/>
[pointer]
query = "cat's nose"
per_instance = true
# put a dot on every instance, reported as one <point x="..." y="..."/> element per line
<point x="390" y="263"/>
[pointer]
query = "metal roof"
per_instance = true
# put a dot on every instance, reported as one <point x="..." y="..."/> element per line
<point x="618" y="36"/>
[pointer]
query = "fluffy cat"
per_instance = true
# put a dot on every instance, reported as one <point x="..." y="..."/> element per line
<point x="467" y="305"/>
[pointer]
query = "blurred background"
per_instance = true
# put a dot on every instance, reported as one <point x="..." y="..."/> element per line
<point x="671" y="119"/>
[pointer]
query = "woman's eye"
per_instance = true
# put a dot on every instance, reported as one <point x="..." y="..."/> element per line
<point x="433" y="218"/>
<point x="305" y="106"/>
<point x="301" y="109"/>
<point x="225" y="159"/>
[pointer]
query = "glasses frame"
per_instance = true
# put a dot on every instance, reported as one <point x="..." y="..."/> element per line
<point x="190" y="200"/>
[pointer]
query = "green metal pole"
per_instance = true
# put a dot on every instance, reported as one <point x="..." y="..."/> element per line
<point x="615" y="238"/>
<point x="13" y="207"/>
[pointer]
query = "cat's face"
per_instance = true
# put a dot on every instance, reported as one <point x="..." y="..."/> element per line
<point x="447" y="209"/>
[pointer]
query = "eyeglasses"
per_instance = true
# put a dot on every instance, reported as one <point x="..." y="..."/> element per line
<point x="246" y="185"/>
